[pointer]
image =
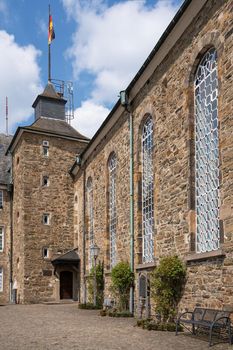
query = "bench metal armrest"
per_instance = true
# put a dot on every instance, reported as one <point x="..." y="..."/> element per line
<point x="184" y="313"/>
<point x="221" y="318"/>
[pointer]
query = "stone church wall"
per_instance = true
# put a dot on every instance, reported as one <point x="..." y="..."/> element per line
<point x="168" y="98"/>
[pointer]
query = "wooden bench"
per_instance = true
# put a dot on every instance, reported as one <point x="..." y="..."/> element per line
<point x="206" y="318"/>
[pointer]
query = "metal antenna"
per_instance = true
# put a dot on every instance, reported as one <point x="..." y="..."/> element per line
<point x="6" y="116"/>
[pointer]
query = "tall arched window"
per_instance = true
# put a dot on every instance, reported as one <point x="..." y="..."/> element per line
<point x="112" y="208"/>
<point x="147" y="192"/>
<point x="91" y="217"/>
<point x="207" y="154"/>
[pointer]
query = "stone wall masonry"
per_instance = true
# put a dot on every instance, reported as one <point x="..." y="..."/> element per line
<point x="168" y="97"/>
<point x="4" y="256"/>
<point x="37" y="277"/>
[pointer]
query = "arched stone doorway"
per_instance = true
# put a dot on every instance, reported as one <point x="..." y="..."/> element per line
<point x="66" y="285"/>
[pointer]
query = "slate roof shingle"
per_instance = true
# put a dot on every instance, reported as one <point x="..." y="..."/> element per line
<point x="55" y="126"/>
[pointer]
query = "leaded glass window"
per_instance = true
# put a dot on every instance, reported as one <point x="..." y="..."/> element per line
<point x="207" y="154"/>
<point x="147" y="192"/>
<point x="91" y="217"/>
<point x="112" y="208"/>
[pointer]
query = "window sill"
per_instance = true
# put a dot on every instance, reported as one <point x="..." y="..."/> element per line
<point x="205" y="256"/>
<point x="146" y="266"/>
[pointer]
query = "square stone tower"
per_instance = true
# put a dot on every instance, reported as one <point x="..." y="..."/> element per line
<point x="42" y="154"/>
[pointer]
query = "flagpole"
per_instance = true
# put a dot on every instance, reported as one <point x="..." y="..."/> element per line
<point x="49" y="56"/>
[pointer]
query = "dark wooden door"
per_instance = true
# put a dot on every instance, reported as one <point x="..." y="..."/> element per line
<point x="66" y="285"/>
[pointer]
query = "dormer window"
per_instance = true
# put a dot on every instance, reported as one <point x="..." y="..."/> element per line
<point x="45" y="145"/>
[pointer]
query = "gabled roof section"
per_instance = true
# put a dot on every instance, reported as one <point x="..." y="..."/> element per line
<point x="70" y="257"/>
<point x="5" y="161"/>
<point x="50" y="127"/>
<point x="55" y="126"/>
<point x="183" y="18"/>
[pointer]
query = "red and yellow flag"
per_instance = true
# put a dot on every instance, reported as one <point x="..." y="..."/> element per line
<point x="51" y="33"/>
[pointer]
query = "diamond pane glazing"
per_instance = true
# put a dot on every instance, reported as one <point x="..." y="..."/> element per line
<point x="207" y="154"/>
<point x="91" y="218"/>
<point x="147" y="193"/>
<point x="112" y="209"/>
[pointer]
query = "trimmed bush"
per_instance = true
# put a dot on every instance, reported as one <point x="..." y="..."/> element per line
<point x="167" y="283"/>
<point x="122" y="280"/>
<point x="99" y="285"/>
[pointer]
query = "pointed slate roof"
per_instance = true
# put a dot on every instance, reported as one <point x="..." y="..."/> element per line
<point x="5" y="161"/>
<point x="49" y="93"/>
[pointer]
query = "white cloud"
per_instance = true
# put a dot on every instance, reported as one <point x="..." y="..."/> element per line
<point x="89" y="117"/>
<point x="42" y="26"/>
<point x="113" y="42"/>
<point x="20" y="79"/>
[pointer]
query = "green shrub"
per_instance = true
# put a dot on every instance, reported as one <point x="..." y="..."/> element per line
<point x="167" y="283"/>
<point x="89" y="306"/>
<point x="158" y="326"/>
<point x="99" y="285"/>
<point x="122" y="279"/>
<point x="103" y="313"/>
<point x="119" y="314"/>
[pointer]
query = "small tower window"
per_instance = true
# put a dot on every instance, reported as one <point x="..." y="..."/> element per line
<point x="45" y="181"/>
<point x="46" y="219"/>
<point x="1" y="239"/>
<point x="45" y="252"/>
<point x="1" y="279"/>
<point x="1" y="199"/>
<point x="45" y="145"/>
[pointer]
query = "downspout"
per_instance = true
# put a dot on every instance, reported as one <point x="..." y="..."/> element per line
<point x="125" y="103"/>
<point x="84" y="236"/>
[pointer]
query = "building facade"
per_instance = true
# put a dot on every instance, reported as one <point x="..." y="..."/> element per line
<point x="169" y="154"/>
<point x="181" y="106"/>
<point x="5" y="221"/>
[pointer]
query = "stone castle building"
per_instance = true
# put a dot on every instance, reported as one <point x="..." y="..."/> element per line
<point x="155" y="180"/>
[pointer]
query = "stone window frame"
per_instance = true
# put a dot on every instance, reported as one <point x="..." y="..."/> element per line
<point x="1" y="199"/>
<point x="45" y="148"/>
<point x="108" y="244"/>
<point x="90" y="218"/>
<point x="208" y="41"/>
<point x="47" y="255"/>
<point x="48" y="219"/>
<point x="148" y="216"/>
<point x="1" y="279"/>
<point x="146" y="112"/>
<point x="44" y="183"/>
<point x="2" y="233"/>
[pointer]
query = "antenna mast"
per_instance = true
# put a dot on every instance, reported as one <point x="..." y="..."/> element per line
<point x="6" y="115"/>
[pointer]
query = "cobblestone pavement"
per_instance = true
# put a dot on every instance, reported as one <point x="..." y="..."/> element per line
<point x="65" y="327"/>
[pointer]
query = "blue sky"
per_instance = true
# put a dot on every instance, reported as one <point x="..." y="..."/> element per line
<point x="99" y="45"/>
